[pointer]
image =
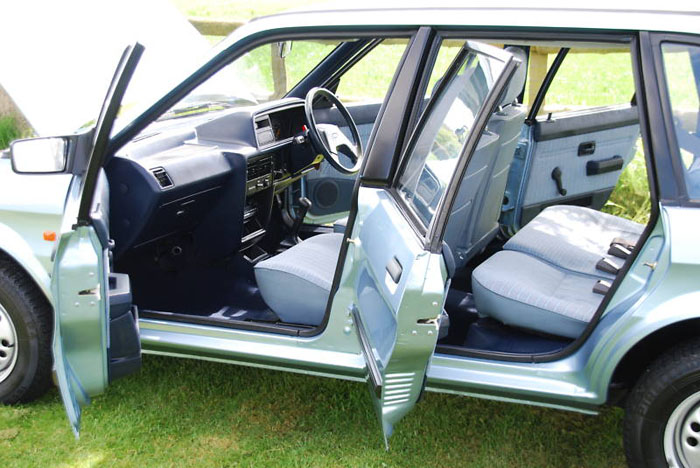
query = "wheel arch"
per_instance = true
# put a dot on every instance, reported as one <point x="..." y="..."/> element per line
<point x="638" y="358"/>
<point x="15" y="249"/>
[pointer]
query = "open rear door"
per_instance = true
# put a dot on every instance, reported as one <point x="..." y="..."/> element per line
<point x="396" y="271"/>
<point x="85" y="359"/>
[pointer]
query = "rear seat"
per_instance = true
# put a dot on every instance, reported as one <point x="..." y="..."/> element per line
<point x="574" y="238"/>
<point x="544" y="278"/>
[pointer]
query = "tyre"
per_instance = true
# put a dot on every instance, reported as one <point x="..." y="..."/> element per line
<point x="26" y="327"/>
<point x="662" y="416"/>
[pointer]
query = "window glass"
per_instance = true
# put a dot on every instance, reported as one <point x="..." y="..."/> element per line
<point x="369" y="79"/>
<point x="443" y="133"/>
<point x="449" y="49"/>
<point x="265" y="73"/>
<point x="587" y="78"/>
<point x="682" y="70"/>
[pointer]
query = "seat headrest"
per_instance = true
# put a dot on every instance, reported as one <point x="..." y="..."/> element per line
<point x="518" y="80"/>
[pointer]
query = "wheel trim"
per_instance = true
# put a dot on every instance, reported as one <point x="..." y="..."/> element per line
<point x="682" y="434"/>
<point x="8" y="344"/>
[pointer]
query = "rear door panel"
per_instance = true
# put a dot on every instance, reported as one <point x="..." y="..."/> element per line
<point x="394" y="277"/>
<point x="398" y="290"/>
<point x="589" y="148"/>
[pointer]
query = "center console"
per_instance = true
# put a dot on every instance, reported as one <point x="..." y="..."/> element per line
<point x="259" y="192"/>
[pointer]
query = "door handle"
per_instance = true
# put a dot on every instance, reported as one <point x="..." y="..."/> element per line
<point x="394" y="269"/>
<point x="603" y="166"/>
<point x="556" y="176"/>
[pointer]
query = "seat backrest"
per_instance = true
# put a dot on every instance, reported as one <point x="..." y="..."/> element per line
<point x="470" y="230"/>
<point x="459" y="226"/>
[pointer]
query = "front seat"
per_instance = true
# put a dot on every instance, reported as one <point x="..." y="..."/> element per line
<point x="474" y="219"/>
<point x="296" y="283"/>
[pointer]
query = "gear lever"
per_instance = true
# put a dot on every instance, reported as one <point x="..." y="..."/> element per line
<point x="304" y="206"/>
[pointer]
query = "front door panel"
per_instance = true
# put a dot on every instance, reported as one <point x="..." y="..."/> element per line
<point x="81" y="283"/>
<point x="81" y="329"/>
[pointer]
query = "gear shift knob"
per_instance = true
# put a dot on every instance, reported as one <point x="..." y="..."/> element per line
<point x="304" y="206"/>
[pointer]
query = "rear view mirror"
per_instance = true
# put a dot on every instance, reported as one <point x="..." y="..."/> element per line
<point x="39" y="155"/>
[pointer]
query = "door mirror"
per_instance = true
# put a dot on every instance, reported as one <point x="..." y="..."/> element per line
<point x="39" y="155"/>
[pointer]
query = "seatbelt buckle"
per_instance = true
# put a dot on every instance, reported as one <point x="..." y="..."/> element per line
<point x="626" y="243"/>
<point x="619" y="251"/>
<point x="602" y="287"/>
<point x="607" y="265"/>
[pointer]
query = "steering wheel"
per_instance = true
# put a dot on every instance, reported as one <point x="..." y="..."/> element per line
<point x="328" y="139"/>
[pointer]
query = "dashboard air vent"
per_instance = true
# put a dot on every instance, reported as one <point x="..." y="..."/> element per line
<point x="162" y="177"/>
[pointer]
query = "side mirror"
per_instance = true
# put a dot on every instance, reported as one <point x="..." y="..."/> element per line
<point x="39" y="155"/>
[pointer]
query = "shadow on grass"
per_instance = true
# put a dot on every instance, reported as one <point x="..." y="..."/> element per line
<point x="185" y="413"/>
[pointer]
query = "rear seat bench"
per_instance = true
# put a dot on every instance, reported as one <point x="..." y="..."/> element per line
<point x="545" y="277"/>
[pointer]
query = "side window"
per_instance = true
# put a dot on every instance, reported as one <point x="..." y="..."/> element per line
<point x="587" y="78"/>
<point x="369" y="79"/>
<point x="444" y="129"/>
<point x="682" y="70"/>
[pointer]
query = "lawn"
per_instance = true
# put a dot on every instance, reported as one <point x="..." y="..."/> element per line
<point x="187" y="413"/>
<point x="184" y="413"/>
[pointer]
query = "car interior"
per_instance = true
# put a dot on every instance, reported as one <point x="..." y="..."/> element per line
<point x="226" y="215"/>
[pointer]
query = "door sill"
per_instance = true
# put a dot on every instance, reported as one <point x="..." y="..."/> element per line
<point x="279" y="328"/>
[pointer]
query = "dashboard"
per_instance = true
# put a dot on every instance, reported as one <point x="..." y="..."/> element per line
<point x="213" y="176"/>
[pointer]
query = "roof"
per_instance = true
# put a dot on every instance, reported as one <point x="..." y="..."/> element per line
<point x="593" y="14"/>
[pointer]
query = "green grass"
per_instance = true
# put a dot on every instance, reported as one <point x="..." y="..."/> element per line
<point x="9" y="131"/>
<point x="188" y="413"/>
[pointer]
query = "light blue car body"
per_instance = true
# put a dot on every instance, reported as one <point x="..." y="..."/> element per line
<point x="660" y="291"/>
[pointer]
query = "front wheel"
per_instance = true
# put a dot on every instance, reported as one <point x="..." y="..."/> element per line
<point x="662" y="416"/>
<point x="25" y="337"/>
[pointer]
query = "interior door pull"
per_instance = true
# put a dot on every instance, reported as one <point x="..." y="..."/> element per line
<point x="556" y="176"/>
<point x="394" y="269"/>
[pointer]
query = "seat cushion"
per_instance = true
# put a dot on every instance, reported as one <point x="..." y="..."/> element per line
<point x="573" y="237"/>
<point x="296" y="283"/>
<point x="523" y="291"/>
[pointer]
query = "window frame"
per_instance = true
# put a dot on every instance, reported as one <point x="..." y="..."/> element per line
<point x="432" y="234"/>
<point x="679" y="194"/>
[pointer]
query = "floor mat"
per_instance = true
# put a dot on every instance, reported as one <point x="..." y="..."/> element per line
<point x="228" y="288"/>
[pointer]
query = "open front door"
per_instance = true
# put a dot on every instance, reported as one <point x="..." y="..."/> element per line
<point x="87" y="354"/>
<point x="396" y="271"/>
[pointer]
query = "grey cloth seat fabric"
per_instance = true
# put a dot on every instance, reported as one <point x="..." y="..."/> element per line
<point x="460" y="234"/>
<point x="543" y="279"/>
<point x="573" y="237"/>
<point x="520" y="290"/>
<point x="296" y="283"/>
<point x="474" y="218"/>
